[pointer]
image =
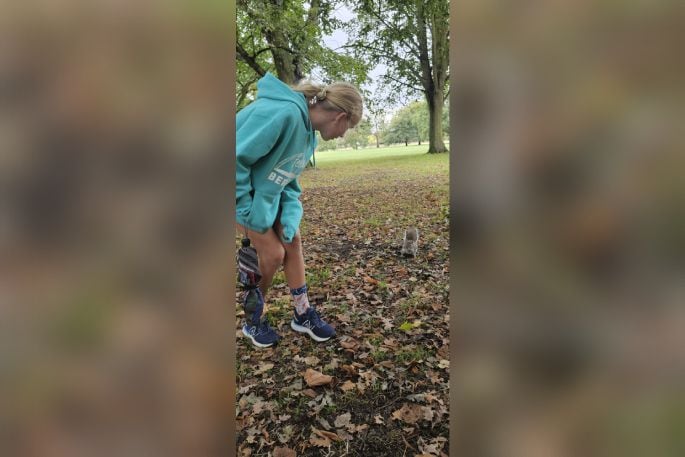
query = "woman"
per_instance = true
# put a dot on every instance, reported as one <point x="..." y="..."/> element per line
<point x="275" y="138"/>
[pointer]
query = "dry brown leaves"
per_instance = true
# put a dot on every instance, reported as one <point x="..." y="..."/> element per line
<point x="315" y="378"/>
<point x="369" y="293"/>
<point x="284" y="452"/>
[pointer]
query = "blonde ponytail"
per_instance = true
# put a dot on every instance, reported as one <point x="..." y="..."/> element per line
<point x="338" y="96"/>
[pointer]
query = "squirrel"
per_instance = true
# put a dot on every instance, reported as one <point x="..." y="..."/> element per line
<point x="410" y="245"/>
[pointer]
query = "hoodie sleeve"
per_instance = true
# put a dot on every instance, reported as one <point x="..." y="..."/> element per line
<point x="291" y="210"/>
<point x="255" y="138"/>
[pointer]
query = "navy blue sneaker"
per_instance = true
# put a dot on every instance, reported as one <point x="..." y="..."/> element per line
<point x="311" y="324"/>
<point x="261" y="334"/>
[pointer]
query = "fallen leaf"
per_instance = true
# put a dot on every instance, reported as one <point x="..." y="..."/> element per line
<point x="344" y="435"/>
<point x="320" y="442"/>
<point x="406" y="326"/>
<point x="371" y="280"/>
<point x="331" y="366"/>
<point x="378" y="420"/>
<point x="286" y="435"/>
<point x="358" y="428"/>
<point x="349" y="344"/>
<point x="343" y="420"/>
<point x="390" y="343"/>
<point x="284" y="452"/>
<point x="325" y="434"/>
<point x="315" y="378"/>
<point x="310" y="393"/>
<point x="347" y="386"/>
<point x="409" y="413"/>
<point x="311" y="360"/>
<point x="263" y="368"/>
<point x="324" y="423"/>
<point x="434" y="377"/>
<point x="349" y="369"/>
<point x="258" y="407"/>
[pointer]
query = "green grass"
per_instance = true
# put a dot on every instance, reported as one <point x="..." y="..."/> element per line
<point x="412" y="355"/>
<point x="374" y="221"/>
<point x="317" y="277"/>
<point x="279" y="278"/>
<point x="374" y="166"/>
<point x="324" y="158"/>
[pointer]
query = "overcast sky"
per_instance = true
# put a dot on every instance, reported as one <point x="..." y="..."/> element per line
<point x="339" y="38"/>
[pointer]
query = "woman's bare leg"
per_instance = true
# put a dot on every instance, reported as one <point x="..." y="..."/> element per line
<point x="293" y="264"/>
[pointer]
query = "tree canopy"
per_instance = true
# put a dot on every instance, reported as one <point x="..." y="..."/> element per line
<point x="412" y="39"/>
<point x="286" y="37"/>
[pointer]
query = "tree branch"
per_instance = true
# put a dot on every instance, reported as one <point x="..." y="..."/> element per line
<point x="250" y="60"/>
<point x="378" y="15"/>
<point x="244" y="89"/>
<point x="405" y="84"/>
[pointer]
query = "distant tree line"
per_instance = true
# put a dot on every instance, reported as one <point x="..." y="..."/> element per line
<point x="408" y="125"/>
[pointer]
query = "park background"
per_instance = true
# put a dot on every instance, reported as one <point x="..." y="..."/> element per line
<point x="117" y="241"/>
<point x="382" y="383"/>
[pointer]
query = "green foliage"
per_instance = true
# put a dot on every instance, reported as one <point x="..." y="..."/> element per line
<point x="323" y="145"/>
<point x="376" y="110"/>
<point x="358" y="136"/>
<point x="401" y="129"/>
<point x="409" y="124"/>
<point x="286" y="38"/>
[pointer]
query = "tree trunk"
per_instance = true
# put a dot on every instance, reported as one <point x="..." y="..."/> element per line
<point x="431" y="79"/>
<point x="435" y="142"/>
<point x="287" y="61"/>
<point x="283" y="60"/>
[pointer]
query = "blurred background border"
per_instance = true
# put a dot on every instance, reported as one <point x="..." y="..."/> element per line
<point x="567" y="205"/>
<point x="116" y="228"/>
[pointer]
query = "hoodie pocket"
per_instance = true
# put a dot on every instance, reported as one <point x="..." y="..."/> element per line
<point x="263" y="213"/>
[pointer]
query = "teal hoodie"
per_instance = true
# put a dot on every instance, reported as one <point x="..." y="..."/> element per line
<point x="274" y="142"/>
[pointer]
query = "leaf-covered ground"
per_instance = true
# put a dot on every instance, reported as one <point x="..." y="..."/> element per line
<point x="380" y="387"/>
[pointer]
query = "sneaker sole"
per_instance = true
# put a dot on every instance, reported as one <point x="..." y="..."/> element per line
<point x="255" y="342"/>
<point x="301" y="329"/>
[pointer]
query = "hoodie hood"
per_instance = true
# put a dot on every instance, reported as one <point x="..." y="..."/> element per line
<point x="270" y="87"/>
